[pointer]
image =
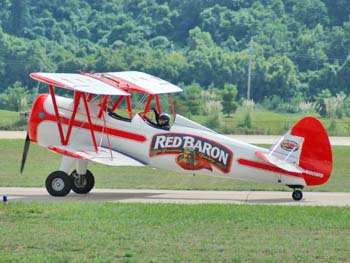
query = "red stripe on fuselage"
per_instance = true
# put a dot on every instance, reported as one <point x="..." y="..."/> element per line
<point x="267" y="167"/>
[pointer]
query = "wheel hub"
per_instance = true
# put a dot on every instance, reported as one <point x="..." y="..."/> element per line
<point x="57" y="184"/>
<point x="79" y="180"/>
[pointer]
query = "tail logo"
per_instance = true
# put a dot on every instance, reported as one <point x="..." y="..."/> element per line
<point x="289" y="145"/>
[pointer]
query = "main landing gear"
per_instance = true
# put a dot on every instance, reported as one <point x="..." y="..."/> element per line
<point x="59" y="183"/>
<point x="81" y="181"/>
<point x="297" y="194"/>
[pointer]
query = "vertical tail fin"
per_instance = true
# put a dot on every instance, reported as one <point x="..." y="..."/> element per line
<point x="307" y="146"/>
<point x="316" y="155"/>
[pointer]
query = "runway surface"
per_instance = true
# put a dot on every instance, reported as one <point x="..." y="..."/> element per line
<point x="22" y="194"/>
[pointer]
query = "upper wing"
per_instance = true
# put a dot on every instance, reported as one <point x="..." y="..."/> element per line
<point x="103" y="156"/>
<point x="141" y="82"/>
<point x="78" y="82"/>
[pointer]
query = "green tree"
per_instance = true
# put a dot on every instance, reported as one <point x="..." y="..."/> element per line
<point x="217" y="20"/>
<point x="19" y="18"/>
<point x="193" y="98"/>
<point x="15" y="98"/>
<point x="320" y="99"/>
<point x="299" y="47"/>
<point x="343" y="77"/>
<point x="310" y="12"/>
<point x="200" y="56"/>
<point x="275" y="76"/>
<point x="311" y="48"/>
<point x="228" y="100"/>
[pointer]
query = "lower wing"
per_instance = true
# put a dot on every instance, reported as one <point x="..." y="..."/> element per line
<point x="103" y="156"/>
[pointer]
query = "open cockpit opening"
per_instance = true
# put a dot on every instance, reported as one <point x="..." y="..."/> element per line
<point x="117" y="107"/>
<point x="150" y="93"/>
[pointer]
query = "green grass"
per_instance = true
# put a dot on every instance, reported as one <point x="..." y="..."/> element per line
<point x="264" y="122"/>
<point x="10" y="120"/>
<point x="41" y="162"/>
<point x="114" y="232"/>
<point x="8" y="116"/>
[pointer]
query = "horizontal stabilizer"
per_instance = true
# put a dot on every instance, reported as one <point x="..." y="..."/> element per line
<point x="103" y="156"/>
<point x="275" y="161"/>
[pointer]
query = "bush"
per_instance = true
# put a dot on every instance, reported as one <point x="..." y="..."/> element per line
<point x="214" y="121"/>
<point x="247" y="121"/>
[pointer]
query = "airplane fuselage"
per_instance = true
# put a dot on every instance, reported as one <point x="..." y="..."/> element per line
<point x="186" y="147"/>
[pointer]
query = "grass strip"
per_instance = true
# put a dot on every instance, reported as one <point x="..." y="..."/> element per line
<point x="115" y="232"/>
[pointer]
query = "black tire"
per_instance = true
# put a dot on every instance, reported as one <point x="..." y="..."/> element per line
<point x="83" y="185"/>
<point x="297" y="195"/>
<point x="58" y="183"/>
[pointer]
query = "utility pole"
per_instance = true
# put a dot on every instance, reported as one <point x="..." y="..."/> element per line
<point x="250" y="67"/>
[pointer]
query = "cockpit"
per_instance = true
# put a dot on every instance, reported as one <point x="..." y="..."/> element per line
<point x="149" y="96"/>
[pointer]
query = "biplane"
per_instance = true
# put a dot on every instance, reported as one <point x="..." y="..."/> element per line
<point x="100" y="123"/>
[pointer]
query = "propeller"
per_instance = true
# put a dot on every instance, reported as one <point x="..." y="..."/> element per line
<point x="25" y="151"/>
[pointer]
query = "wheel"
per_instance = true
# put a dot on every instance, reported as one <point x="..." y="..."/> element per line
<point x="83" y="183"/>
<point x="297" y="195"/>
<point x="58" y="183"/>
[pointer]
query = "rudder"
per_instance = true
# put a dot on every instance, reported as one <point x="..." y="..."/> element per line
<point x="316" y="154"/>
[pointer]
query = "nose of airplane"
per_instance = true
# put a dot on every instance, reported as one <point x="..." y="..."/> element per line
<point x="37" y="114"/>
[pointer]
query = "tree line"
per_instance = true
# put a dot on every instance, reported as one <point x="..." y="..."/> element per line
<point x="298" y="49"/>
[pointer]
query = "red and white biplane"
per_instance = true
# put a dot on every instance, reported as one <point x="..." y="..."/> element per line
<point x="91" y="128"/>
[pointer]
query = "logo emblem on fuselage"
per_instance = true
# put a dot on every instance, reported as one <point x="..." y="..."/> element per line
<point x="192" y="152"/>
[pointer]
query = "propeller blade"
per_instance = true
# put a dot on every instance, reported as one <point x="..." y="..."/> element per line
<point x="25" y="151"/>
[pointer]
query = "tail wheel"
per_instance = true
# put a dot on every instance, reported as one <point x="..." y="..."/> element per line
<point x="297" y="195"/>
<point x="82" y="183"/>
<point x="58" y="183"/>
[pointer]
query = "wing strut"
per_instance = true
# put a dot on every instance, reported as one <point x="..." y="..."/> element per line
<point x="148" y="103"/>
<point x="128" y="101"/>
<point x="172" y="105"/>
<point x="90" y="122"/>
<point x="71" y="121"/>
<point x="103" y="105"/>
<point x="59" y="124"/>
<point x="107" y="135"/>
<point x="158" y="104"/>
<point x="77" y="96"/>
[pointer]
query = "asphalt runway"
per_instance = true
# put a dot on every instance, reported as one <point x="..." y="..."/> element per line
<point x="23" y="194"/>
